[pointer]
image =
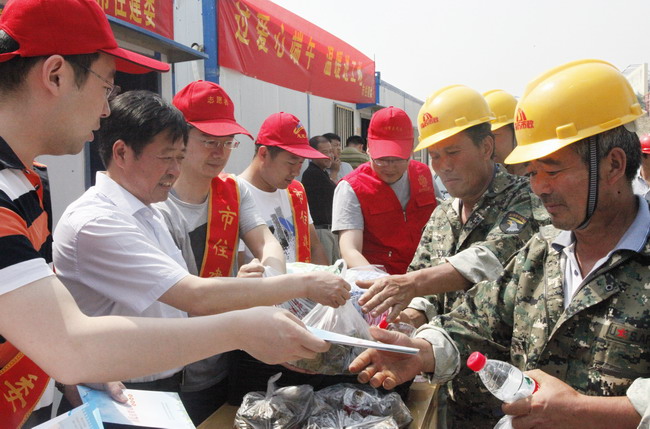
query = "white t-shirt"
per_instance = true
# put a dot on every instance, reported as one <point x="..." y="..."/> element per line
<point x="275" y="209"/>
<point x="188" y="225"/>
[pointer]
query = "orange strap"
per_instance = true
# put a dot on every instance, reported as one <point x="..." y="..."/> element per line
<point x="223" y="227"/>
<point x="300" y="210"/>
<point x="22" y="383"/>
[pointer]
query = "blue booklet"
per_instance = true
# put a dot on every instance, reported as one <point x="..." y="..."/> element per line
<point x="144" y="408"/>
<point x="85" y="416"/>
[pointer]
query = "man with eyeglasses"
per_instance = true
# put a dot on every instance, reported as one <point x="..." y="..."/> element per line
<point x="210" y="114"/>
<point x="380" y="208"/>
<point x="207" y="213"/>
<point x="49" y="105"/>
<point x="116" y="256"/>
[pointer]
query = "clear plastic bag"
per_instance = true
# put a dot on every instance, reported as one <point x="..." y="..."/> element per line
<point x="364" y="273"/>
<point x="341" y="406"/>
<point x="283" y="408"/>
<point x="359" y="407"/>
<point x="342" y="320"/>
<point x="300" y="307"/>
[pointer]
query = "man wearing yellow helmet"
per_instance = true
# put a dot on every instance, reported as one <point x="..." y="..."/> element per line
<point x="502" y="106"/>
<point x="470" y="237"/>
<point x="573" y="304"/>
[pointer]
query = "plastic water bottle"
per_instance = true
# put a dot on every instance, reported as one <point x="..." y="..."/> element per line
<point x="503" y="380"/>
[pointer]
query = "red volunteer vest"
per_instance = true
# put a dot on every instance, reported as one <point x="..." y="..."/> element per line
<point x="223" y="227"/>
<point x="391" y="235"/>
<point x="300" y="209"/>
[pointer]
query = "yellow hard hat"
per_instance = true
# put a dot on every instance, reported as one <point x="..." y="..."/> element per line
<point x="502" y="105"/>
<point x="569" y="103"/>
<point x="449" y="111"/>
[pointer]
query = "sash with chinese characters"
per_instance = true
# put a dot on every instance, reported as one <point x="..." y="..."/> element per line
<point x="22" y="384"/>
<point x="300" y="210"/>
<point x="222" y="233"/>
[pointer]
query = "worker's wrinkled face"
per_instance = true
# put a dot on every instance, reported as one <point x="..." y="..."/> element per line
<point x="561" y="180"/>
<point x="463" y="166"/>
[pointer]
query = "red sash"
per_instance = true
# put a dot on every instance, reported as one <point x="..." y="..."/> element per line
<point x="22" y="383"/>
<point x="300" y="209"/>
<point x="223" y="227"/>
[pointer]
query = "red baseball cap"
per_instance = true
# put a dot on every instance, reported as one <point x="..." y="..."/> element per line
<point x="645" y="143"/>
<point x="207" y="106"/>
<point x="286" y="132"/>
<point x="390" y="134"/>
<point x="67" y="27"/>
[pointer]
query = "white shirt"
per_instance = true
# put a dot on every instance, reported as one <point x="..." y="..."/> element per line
<point x="275" y="209"/>
<point x="116" y="256"/>
<point x="344" y="170"/>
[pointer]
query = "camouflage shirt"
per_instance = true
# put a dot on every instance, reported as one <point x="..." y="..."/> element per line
<point x="598" y="345"/>
<point x="502" y="221"/>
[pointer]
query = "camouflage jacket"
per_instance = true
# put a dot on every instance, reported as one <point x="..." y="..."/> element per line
<point x="599" y="345"/>
<point x="503" y="220"/>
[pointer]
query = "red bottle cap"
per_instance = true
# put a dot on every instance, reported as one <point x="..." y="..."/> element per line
<point x="476" y="361"/>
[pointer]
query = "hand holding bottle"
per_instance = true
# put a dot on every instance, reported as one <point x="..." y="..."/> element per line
<point x="503" y="380"/>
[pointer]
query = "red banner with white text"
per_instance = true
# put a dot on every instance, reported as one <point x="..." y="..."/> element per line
<point x="153" y="15"/>
<point x="263" y="40"/>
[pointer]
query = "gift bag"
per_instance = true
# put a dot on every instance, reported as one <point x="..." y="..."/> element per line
<point x="283" y="408"/>
<point x="365" y="272"/>
<point x="342" y="320"/>
<point x="299" y="307"/>
<point x="357" y="406"/>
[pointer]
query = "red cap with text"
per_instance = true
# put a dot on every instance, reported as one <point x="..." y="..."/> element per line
<point x="390" y="134"/>
<point x="285" y="131"/>
<point x="67" y="27"/>
<point x="206" y="106"/>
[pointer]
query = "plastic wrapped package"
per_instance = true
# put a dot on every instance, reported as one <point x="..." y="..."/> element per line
<point x="363" y="400"/>
<point x="363" y="273"/>
<point x="283" y="408"/>
<point x="300" y="307"/>
<point x="342" y="320"/>
<point x="357" y="406"/>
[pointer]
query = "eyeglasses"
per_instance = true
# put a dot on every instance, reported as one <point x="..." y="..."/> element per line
<point x="213" y="144"/>
<point x="383" y="162"/>
<point x="112" y="90"/>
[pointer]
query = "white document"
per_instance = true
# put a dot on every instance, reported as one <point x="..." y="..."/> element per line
<point x="82" y="417"/>
<point x="145" y="408"/>
<point x="333" y="337"/>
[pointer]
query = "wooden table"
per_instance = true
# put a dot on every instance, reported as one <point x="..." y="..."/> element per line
<point x="421" y="402"/>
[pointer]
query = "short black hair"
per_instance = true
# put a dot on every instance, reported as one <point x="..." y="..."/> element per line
<point x="316" y="140"/>
<point x="332" y="136"/>
<point x="14" y="71"/>
<point x="137" y="117"/>
<point x="608" y="140"/>
<point x="355" y="140"/>
<point x="478" y="134"/>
